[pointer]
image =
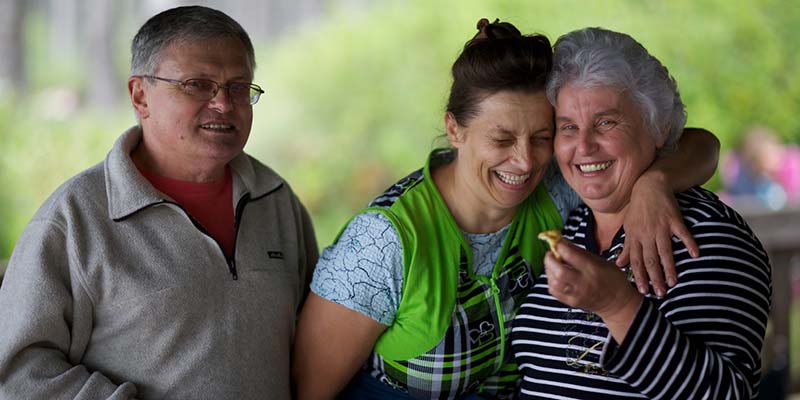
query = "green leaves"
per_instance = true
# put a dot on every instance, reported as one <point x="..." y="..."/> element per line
<point x="355" y="100"/>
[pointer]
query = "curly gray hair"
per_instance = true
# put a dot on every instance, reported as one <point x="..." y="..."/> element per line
<point x="180" y="24"/>
<point x="594" y="57"/>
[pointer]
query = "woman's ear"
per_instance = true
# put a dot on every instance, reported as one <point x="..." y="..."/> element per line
<point x="138" y="96"/>
<point x="454" y="131"/>
<point x="662" y="138"/>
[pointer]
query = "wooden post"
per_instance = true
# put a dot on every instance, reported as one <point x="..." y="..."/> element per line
<point x="779" y="232"/>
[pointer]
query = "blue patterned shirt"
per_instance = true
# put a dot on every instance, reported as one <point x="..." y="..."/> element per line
<point x="363" y="271"/>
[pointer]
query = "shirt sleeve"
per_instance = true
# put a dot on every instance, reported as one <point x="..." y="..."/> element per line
<point x="704" y="339"/>
<point x="363" y="270"/>
<point x="565" y="198"/>
<point x="308" y="252"/>
<point x="47" y="323"/>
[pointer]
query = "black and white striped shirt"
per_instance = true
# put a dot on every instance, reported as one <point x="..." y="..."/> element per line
<point x="701" y="341"/>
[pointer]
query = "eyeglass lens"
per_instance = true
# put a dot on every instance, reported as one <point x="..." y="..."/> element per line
<point x="239" y="93"/>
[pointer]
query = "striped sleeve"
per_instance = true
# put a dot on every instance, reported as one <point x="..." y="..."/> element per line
<point x="704" y="339"/>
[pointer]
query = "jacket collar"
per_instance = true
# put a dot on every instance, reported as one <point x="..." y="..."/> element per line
<point x="128" y="191"/>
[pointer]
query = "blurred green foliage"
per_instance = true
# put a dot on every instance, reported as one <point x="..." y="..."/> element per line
<point x="39" y="153"/>
<point x="355" y="101"/>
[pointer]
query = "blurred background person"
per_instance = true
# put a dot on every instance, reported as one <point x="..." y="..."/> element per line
<point x="762" y="171"/>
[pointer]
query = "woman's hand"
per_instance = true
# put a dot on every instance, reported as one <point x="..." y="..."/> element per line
<point x="653" y="217"/>
<point x="584" y="280"/>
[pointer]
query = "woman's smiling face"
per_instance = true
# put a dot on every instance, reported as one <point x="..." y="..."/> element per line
<point x="601" y="145"/>
<point x="504" y="150"/>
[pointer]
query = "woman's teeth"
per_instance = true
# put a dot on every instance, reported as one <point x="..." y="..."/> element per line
<point x="595" y="167"/>
<point x="512" y="179"/>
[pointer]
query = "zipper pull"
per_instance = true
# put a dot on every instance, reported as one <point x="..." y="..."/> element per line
<point x="232" y="269"/>
<point x="495" y="288"/>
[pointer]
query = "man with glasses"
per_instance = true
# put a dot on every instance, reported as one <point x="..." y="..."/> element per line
<point x="175" y="268"/>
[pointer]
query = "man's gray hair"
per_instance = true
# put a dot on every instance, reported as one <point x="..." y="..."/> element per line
<point x="183" y="24"/>
<point x="594" y="57"/>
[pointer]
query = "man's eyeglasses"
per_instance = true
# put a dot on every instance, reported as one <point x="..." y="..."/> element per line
<point x="204" y="89"/>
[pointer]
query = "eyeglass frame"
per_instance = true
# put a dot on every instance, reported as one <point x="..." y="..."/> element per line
<point x="182" y="85"/>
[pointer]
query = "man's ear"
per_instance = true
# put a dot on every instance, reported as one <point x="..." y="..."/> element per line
<point x="138" y="95"/>
<point x="455" y="134"/>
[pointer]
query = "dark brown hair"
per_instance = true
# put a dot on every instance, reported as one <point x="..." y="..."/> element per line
<point x="497" y="58"/>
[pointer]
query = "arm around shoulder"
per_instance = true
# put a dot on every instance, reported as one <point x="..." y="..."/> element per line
<point x="691" y="164"/>
<point x="711" y="326"/>
<point x="654" y="216"/>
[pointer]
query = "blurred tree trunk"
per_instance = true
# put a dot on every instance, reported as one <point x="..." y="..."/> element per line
<point x="149" y="8"/>
<point x="64" y="33"/>
<point x="289" y="15"/>
<point x="248" y="13"/>
<point x="105" y="87"/>
<point x="12" y="62"/>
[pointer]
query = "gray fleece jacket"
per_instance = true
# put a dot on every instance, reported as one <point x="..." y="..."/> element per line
<point x="113" y="291"/>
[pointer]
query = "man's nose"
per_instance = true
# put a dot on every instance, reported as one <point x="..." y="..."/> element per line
<point x="221" y="102"/>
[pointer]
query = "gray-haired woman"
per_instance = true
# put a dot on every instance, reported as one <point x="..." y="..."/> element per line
<point x="584" y="331"/>
<point x="416" y="296"/>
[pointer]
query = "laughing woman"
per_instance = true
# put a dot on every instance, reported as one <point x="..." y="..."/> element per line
<point x="584" y="332"/>
<point x="419" y="290"/>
